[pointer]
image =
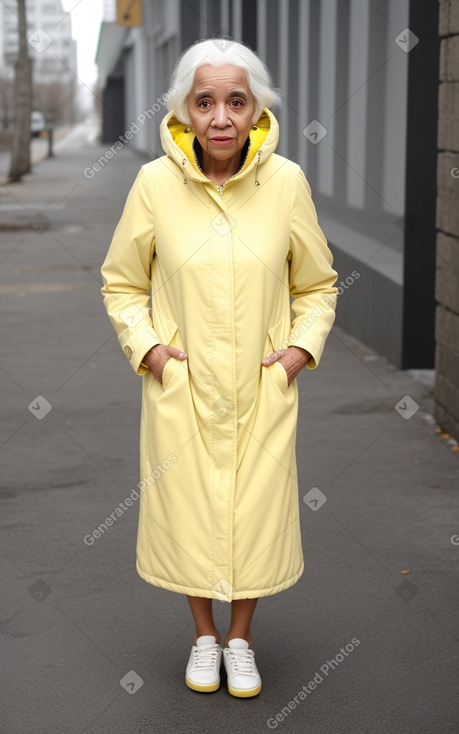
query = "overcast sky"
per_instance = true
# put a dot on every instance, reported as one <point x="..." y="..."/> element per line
<point x="86" y="18"/>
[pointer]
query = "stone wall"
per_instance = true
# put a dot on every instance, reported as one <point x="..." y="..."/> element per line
<point x="447" y="268"/>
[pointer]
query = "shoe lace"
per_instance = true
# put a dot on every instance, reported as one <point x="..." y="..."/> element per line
<point x="206" y="656"/>
<point x="242" y="661"/>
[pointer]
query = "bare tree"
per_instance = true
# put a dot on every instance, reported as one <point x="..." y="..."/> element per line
<point x="6" y="103"/>
<point x="20" y="158"/>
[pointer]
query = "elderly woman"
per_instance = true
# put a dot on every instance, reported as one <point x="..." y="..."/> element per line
<point x="214" y="238"/>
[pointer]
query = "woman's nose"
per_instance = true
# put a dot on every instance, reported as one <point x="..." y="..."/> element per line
<point x="220" y="116"/>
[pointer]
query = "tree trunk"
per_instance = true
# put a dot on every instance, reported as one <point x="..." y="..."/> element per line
<point x="20" y="158"/>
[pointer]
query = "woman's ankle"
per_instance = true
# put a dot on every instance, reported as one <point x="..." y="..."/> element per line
<point x="213" y="632"/>
<point x="242" y="636"/>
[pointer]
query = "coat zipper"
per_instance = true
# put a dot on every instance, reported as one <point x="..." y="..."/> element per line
<point x="257" y="183"/>
<point x="221" y="187"/>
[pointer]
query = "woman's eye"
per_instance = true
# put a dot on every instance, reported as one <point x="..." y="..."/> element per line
<point x="205" y="104"/>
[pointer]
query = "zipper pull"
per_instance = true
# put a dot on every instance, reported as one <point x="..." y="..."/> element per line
<point x="184" y="174"/>
<point x="257" y="183"/>
<point x="220" y="188"/>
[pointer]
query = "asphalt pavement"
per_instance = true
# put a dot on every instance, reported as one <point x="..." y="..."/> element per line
<point x="366" y="642"/>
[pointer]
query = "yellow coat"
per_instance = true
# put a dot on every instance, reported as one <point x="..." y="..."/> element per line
<point x="219" y="509"/>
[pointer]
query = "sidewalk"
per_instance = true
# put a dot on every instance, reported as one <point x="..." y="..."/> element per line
<point x="368" y="639"/>
<point x="38" y="151"/>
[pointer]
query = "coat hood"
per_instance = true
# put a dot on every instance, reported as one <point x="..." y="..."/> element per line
<point x="177" y="141"/>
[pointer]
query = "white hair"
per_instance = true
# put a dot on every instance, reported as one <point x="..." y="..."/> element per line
<point x="218" y="52"/>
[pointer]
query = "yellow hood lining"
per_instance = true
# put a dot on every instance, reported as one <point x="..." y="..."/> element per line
<point x="184" y="137"/>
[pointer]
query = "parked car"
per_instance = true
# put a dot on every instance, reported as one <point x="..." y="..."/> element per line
<point x="37" y="123"/>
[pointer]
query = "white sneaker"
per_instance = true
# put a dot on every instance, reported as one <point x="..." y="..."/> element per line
<point x="203" y="669"/>
<point x="243" y="677"/>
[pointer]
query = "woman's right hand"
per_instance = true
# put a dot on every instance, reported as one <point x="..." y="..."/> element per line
<point x="157" y="356"/>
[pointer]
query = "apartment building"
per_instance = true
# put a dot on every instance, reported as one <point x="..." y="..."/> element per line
<point x="51" y="48"/>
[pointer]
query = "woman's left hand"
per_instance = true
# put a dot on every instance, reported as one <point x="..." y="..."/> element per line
<point x="292" y="359"/>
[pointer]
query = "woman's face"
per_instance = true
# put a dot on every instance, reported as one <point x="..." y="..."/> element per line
<point x="221" y="107"/>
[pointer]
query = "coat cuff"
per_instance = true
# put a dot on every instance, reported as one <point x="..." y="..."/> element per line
<point x="311" y="338"/>
<point x="135" y="345"/>
<point x="314" y="350"/>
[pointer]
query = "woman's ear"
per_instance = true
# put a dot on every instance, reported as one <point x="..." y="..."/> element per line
<point x="256" y="115"/>
<point x="184" y="116"/>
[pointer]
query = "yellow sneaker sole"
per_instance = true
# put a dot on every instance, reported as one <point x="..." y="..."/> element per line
<point x="244" y="694"/>
<point x="202" y="688"/>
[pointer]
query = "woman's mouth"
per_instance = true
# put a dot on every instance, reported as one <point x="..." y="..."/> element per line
<point x="222" y="140"/>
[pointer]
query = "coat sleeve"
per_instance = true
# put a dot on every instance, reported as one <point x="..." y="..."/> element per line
<point x="126" y="274"/>
<point x="311" y="275"/>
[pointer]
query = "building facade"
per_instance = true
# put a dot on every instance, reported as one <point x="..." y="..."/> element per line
<point x="447" y="280"/>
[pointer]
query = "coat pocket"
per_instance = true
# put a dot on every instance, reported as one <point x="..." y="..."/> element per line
<point x="280" y="376"/>
<point x="170" y="336"/>
<point x="276" y="341"/>
<point x="168" y="371"/>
